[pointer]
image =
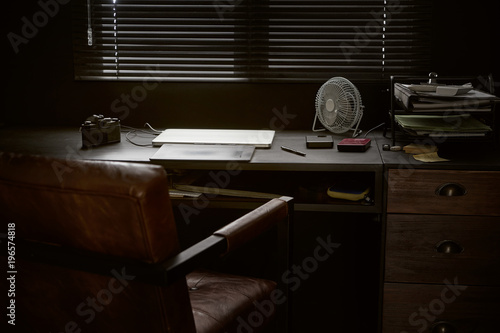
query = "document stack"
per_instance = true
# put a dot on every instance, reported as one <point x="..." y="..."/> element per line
<point x="463" y="125"/>
<point x="444" y="110"/>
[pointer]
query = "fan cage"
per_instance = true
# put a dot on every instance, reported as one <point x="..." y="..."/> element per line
<point x="339" y="107"/>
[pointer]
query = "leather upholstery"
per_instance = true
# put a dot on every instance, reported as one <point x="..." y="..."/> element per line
<point x="215" y="296"/>
<point x="118" y="209"/>
<point x="128" y="203"/>
<point x="51" y="298"/>
<point x="253" y="224"/>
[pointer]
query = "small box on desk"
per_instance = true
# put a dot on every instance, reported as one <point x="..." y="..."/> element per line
<point x="351" y="144"/>
<point x="319" y="141"/>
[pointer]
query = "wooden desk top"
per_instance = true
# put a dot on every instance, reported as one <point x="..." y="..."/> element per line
<point x="462" y="156"/>
<point x="66" y="143"/>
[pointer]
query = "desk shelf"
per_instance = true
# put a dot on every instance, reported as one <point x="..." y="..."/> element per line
<point x="308" y="189"/>
<point x="248" y="203"/>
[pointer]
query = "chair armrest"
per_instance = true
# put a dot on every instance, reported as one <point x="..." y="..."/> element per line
<point x="228" y="238"/>
<point x="191" y="258"/>
<point x="254" y="223"/>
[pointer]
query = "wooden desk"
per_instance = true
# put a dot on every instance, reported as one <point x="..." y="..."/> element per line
<point x="367" y="278"/>
<point x="65" y="143"/>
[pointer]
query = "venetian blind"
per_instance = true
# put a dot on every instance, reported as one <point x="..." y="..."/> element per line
<point x="250" y="40"/>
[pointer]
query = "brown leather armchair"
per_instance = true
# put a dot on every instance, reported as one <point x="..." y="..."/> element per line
<point x="96" y="250"/>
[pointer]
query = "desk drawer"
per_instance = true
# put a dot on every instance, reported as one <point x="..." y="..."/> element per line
<point x="412" y="253"/>
<point x="418" y="307"/>
<point x="443" y="192"/>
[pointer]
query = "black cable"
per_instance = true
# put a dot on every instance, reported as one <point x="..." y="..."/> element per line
<point x="374" y="128"/>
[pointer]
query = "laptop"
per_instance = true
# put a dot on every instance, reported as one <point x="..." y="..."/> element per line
<point x="256" y="138"/>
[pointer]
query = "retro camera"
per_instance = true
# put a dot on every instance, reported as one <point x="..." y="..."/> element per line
<point x="97" y="130"/>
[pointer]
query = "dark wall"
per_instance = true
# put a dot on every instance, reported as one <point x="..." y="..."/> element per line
<point x="41" y="89"/>
<point x="466" y="38"/>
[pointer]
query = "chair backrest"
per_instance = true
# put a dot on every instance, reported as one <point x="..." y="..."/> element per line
<point x="111" y="208"/>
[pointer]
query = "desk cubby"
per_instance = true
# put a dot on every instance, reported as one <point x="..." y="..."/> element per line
<point x="309" y="189"/>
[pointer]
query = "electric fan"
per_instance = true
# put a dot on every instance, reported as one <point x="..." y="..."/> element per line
<point x="338" y="106"/>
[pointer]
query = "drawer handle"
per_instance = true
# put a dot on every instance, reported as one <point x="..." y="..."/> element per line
<point x="451" y="190"/>
<point x="443" y="327"/>
<point x="449" y="247"/>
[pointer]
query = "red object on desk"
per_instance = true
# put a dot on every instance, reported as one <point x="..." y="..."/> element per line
<point x="352" y="144"/>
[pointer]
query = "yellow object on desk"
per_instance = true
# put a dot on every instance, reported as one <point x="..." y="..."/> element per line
<point x="429" y="157"/>
<point x="414" y="148"/>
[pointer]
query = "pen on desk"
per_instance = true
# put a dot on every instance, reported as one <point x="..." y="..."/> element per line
<point x="293" y="151"/>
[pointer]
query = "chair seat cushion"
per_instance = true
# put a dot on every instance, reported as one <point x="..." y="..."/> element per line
<point x="229" y="303"/>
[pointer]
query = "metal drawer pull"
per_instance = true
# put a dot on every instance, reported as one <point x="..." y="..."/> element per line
<point x="443" y="327"/>
<point x="449" y="247"/>
<point x="451" y="190"/>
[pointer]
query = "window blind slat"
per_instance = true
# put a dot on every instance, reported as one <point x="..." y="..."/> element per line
<point x="251" y="40"/>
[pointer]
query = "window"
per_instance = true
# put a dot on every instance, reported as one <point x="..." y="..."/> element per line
<point x="251" y="40"/>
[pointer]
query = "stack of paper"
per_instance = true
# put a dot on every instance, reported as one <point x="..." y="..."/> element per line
<point x="448" y="126"/>
<point x="431" y="101"/>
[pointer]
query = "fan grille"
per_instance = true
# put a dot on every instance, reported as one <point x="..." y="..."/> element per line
<point x="338" y="105"/>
